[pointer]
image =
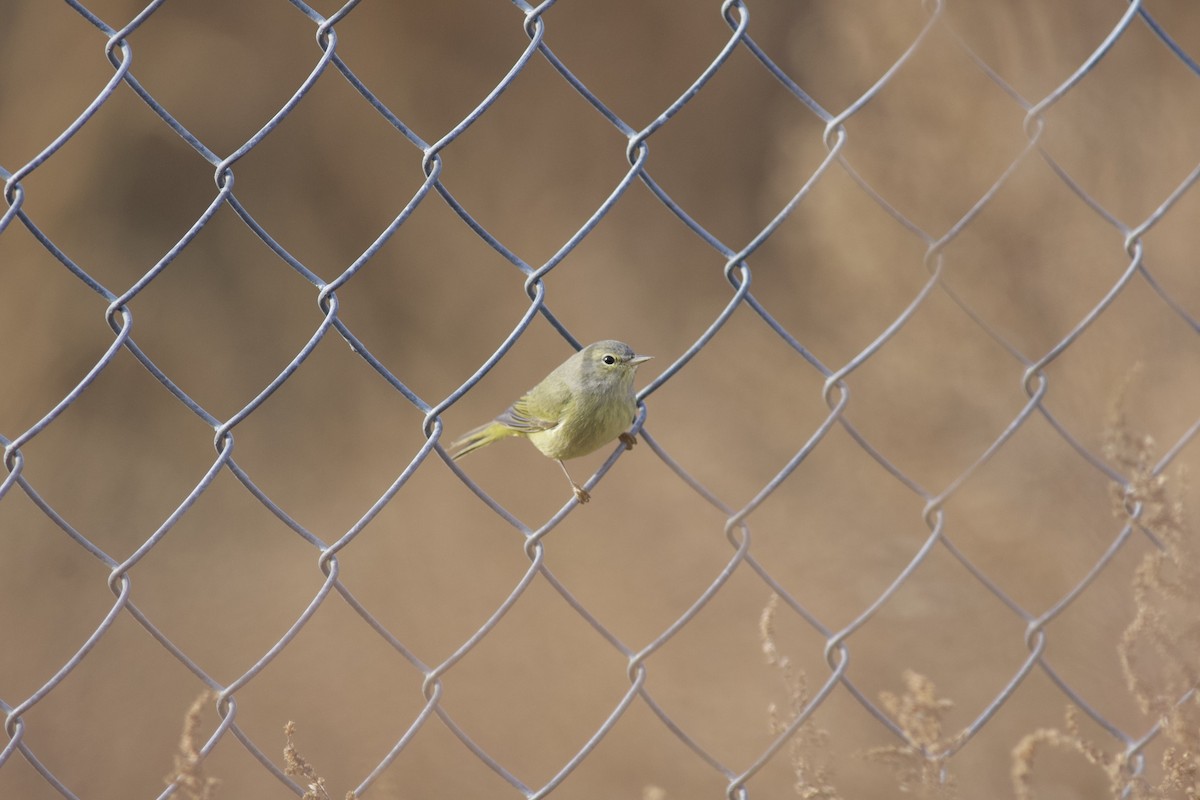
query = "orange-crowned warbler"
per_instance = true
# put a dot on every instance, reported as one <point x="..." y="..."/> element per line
<point x="586" y="402"/>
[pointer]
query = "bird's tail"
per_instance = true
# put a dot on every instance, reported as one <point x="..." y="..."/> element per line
<point x="480" y="437"/>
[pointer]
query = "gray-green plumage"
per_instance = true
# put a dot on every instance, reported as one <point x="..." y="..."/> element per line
<point x="584" y="403"/>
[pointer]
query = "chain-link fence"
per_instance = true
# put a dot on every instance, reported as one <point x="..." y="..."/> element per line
<point x="921" y="284"/>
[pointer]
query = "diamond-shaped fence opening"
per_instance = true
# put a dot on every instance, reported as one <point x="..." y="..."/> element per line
<point x="908" y="510"/>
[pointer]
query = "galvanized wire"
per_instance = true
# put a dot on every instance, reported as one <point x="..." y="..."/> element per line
<point x="737" y="270"/>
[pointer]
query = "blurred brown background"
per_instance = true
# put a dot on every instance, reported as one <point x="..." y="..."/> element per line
<point x="225" y="317"/>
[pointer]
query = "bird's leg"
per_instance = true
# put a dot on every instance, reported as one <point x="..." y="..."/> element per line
<point x="581" y="494"/>
<point x="628" y="439"/>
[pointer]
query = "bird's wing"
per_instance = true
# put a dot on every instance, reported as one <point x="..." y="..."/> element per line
<point x="526" y="417"/>
<point x="518" y="418"/>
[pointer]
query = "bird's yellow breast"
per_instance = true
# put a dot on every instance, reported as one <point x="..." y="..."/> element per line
<point x="586" y="427"/>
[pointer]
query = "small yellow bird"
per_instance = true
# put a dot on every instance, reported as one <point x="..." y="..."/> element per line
<point x="586" y="402"/>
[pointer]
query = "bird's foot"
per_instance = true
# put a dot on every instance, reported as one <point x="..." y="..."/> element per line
<point x="628" y="439"/>
<point x="581" y="494"/>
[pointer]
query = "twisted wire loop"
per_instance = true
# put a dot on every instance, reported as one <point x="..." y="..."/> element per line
<point x="534" y="23"/>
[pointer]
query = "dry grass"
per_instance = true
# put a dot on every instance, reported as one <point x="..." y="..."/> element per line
<point x="1179" y="778"/>
<point x="1159" y="651"/>
<point x="189" y="764"/>
<point x="297" y="766"/>
<point x="920" y="763"/>
<point x="808" y="747"/>
<point x="1070" y="739"/>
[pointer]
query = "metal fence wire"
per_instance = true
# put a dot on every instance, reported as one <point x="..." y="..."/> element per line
<point x="908" y="509"/>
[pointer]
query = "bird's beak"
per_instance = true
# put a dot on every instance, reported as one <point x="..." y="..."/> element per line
<point x="633" y="362"/>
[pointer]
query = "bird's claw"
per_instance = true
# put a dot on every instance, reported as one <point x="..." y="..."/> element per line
<point x="628" y="439"/>
<point x="581" y="494"/>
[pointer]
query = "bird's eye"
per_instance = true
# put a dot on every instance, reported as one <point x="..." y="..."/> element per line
<point x="609" y="360"/>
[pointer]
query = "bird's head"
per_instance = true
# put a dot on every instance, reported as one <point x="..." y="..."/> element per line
<point x="611" y="361"/>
